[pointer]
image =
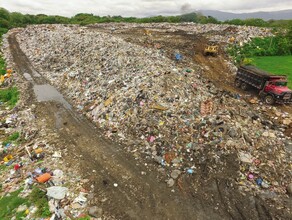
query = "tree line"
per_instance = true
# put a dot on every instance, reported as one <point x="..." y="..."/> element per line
<point x="15" y="19"/>
<point x="279" y="45"/>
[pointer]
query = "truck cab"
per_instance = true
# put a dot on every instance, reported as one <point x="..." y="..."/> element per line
<point x="276" y="90"/>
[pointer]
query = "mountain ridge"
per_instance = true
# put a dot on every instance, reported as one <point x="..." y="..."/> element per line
<point x="272" y="15"/>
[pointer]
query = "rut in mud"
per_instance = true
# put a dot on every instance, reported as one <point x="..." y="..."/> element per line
<point x="139" y="196"/>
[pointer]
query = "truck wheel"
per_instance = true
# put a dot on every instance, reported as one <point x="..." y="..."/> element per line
<point x="237" y="83"/>
<point x="244" y="86"/>
<point x="269" y="100"/>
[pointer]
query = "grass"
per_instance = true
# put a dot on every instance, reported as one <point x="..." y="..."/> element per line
<point x="9" y="204"/>
<point x="3" y="168"/>
<point x="278" y="65"/>
<point x="84" y="218"/>
<point x="12" y="137"/>
<point x="2" y="66"/>
<point x="39" y="199"/>
<point x="9" y="96"/>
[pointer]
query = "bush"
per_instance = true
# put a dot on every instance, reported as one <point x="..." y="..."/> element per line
<point x="2" y="66"/>
<point x="270" y="46"/>
<point x="9" y="96"/>
<point x="3" y="31"/>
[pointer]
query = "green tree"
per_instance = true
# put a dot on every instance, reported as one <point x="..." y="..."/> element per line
<point x="213" y="20"/>
<point x="235" y="22"/>
<point x="3" y="31"/>
<point x="17" y="19"/>
<point x="4" y="23"/>
<point x="190" y="17"/>
<point x="256" y="22"/>
<point x="4" y="14"/>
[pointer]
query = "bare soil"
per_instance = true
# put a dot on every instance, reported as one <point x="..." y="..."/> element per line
<point x="137" y="196"/>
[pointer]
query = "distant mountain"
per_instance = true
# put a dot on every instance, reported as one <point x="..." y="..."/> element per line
<point x="223" y="16"/>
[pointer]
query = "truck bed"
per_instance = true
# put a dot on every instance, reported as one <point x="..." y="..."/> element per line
<point x="255" y="70"/>
<point x="252" y="76"/>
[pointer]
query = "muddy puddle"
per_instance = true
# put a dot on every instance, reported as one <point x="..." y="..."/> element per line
<point x="49" y="93"/>
<point x="28" y="77"/>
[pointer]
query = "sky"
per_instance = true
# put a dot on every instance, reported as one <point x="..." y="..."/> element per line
<point x="139" y="8"/>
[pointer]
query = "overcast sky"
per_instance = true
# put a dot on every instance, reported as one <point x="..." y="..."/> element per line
<point x="139" y="8"/>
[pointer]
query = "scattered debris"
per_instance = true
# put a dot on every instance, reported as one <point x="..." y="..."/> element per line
<point x="167" y="115"/>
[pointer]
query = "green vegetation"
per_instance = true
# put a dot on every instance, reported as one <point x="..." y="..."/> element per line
<point x="279" y="65"/>
<point x="84" y="218"/>
<point x="270" y="46"/>
<point x="12" y="137"/>
<point x="2" y="66"/>
<point x="39" y="199"/>
<point x="9" y="204"/>
<point x="9" y="96"/>
<point x="278" y="45"/>
<point x="3" y="167"/>
<point x="260" y="22"/>
<point x="249" y="22"/>
<point x="3" y="31"/>
<point x="15" y="19"/>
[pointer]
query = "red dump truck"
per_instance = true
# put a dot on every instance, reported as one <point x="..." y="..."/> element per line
<point x="272" y="89"/>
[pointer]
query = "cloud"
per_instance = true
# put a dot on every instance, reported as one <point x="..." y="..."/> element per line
<point x="138" y="8"/>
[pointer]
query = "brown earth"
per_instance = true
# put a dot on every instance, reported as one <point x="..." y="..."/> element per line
<point x="137" y="196"/>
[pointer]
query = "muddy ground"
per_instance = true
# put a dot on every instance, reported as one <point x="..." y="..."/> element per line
<point x="141" y="192"/>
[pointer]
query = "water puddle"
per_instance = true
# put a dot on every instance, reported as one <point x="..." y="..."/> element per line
<point x="49" y="93"/>
<point x="28" y="77"/>
<point x="36" y="74"/>
<point x="58" y="120"/>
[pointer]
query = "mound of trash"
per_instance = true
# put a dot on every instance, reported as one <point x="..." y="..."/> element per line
<point x="164" y="114"/>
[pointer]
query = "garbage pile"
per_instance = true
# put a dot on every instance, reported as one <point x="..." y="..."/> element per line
<point x="163" y="114"/>
<point x="30" y="162"/>
<point x="223" y="33"/>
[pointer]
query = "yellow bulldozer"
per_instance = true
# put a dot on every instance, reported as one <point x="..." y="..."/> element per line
<point x="211" y="50"/>
<point x="147" y="32"/>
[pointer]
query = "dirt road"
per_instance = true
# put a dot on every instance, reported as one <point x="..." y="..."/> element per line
<point x="137" y="196"/>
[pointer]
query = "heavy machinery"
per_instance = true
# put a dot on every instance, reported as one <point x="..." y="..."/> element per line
<point x="272" y="89"/>
<point x="211" y="50"/>
<point x="147" y="32"/>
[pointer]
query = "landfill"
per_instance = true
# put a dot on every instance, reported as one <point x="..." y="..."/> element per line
<point x="30" y="164"/>
<point x="33" y="160"/>
<point x="223" y="33"/>
<point x="165" y="114"/>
